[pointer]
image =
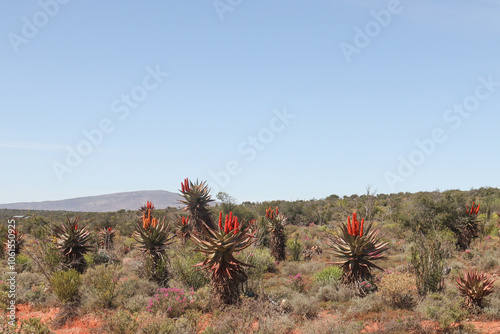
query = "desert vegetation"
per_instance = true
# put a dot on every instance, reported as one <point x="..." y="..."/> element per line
<point x="402" y="263"/>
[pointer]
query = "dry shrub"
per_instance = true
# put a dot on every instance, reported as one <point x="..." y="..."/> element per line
<point x="398" y="290"/>
<point x="334" y="324"/>
<point x="339" y="293"/>
<point x="239" y="319"/>
<point x="443" y="308"/>
<point x="301" y="305"/>
<point x="370" y="303"/>
<point x="492" y="309"/>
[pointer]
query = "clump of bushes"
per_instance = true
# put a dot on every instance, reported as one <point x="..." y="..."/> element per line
<point x="66" y="285"/>
<point x="172" y="302"/>
<point x="398" y="290"/>
<point x="328" y="276"/>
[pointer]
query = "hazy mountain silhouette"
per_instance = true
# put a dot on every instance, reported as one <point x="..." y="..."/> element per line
<point x="103" y="203"/>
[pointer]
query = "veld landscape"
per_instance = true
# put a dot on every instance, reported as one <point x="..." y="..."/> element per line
<point x="340" y="155"/>
<point x="425" y="262"/>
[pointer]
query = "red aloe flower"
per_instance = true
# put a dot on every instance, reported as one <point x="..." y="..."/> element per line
<point x="220" y="220"/>
<point x="226" y="225"/>
<point x="236" y="225"/>
<point x="354" y="228"/>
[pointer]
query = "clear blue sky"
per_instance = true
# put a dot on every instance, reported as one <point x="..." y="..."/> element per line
<point x="360" y="81"/>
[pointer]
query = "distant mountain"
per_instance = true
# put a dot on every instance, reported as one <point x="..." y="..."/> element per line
<point x="104" y="203"/>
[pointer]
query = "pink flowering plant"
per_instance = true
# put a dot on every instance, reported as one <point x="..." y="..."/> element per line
<point x="172" y="302"/>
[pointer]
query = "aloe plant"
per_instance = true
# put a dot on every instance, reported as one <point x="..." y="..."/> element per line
<point x="276" y="226"/>
<point x="184" y="229"/>
<point x="470" y="228"/>
<point x="196" y="198"/>
<point x="106" y="238"/>
<point x="153" y="237"/>
<point x="72" y="240"/>
<point x="474" y="286"/>
<point x="358" y="247"/>
<point x="219" y="245"/>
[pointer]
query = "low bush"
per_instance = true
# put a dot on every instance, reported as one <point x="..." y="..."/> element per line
<point x="492" y="306"/>
<point x="301" y="305"/>
<point x="338" y="293"/>
<point x="328" y="276"/>
<point x="185" y="272"/>
<point x="101" y="284"/>
<point x="34" y="326"/>
<point x="398" y="290"/>
<point x="445" y="309"/>
<point x="66" y="285"/>
<point x="171" y="301"/>
<point x="120" y="322"/>
<point x="31" y="287"/>
<point x="295" y="247"/>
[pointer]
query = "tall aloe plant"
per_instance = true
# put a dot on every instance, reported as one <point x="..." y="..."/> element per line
<point x="358" y="246"/>
<point x="196" y="198"/>
<point x="276" y="226"/>
<point x="219" y="245"/>
<point x="153" y="237"/>
<point x="72" y="240"/>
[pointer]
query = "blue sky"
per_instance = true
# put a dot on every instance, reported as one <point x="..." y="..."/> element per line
<point x="264" y="100"/>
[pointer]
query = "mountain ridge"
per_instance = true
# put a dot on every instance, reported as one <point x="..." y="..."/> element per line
<point x="130" y="200"/>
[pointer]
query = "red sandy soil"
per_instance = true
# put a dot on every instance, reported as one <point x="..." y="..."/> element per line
<point x="89" y="323"/>
<point x="84" y="325"/>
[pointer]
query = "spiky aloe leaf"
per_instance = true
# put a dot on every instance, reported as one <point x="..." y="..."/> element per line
<point x="358" y="247"/>
<point x="475" y="286"/>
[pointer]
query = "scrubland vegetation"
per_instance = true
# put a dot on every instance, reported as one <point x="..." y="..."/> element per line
<point x="402" y="263"/>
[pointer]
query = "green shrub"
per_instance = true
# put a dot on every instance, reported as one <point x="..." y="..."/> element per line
<point x="445" y="309"/>
<point x="134" y="292"/>
<point x="492" y="309"/>
<point x="488" y="261"/>
<point x="260" y="258"/>
<point x="295" y="247"/>
<point x="23" y="262"/>
<point x="157" y="324"/>
<point x="301" y="305"/>
<point x="52" y="257"/>
<point x="101" y="282"/>
<point x="338" y="293"/>
<point x="102" y="257"/>
<point x="328" y="276"/>
<point x="34" y="326"/>
<point x="156" y="270"/>
<point x="66" y="285"/>
<point x="491" y="228"/>
<point x="4" y="295"/>
<point x="370" y="303"/>
<point x="32" y="288"/>
<point x="120" y="322"/>
<point x="398" y="290"/>
<point x="427" y="257"/>
<point x="185" y="272"/>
